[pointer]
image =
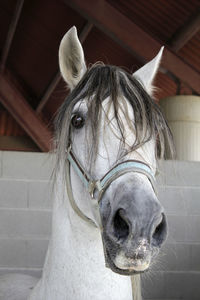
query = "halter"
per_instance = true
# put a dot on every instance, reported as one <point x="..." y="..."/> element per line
<point x="97" y="188"/>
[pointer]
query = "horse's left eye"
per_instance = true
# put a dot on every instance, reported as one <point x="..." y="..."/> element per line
<point x="77" y="121"/>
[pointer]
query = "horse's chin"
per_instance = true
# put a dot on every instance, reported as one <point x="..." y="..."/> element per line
<point x="125" y="269"/>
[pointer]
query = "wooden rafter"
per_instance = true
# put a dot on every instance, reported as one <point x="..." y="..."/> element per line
<point x="51" y="87"/>
<point x="185" y="32"/>
<point x="10" y="35"/>
<point x="26" y="117"/>
<point x="83" y="35"/>
<point x="133" y="38"/>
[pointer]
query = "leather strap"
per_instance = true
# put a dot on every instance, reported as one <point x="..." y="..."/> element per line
<point x="100" y="186"/>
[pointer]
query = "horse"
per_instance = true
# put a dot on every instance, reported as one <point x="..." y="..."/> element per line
<point x="107" y="224"/>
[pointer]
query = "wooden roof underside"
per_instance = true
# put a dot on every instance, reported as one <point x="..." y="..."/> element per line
<point x="124" y="33"/>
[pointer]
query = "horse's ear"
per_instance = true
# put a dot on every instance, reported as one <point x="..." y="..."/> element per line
<point x="71" y="58"/>
<point x="147" y="73"/>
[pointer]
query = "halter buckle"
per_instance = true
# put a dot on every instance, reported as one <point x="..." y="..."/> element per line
<point x="93" y="186"/>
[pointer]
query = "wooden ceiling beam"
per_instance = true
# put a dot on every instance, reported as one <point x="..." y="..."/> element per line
<point x="51" y="87"/>
<point x="133" y="38"/>
<point x="26" y="117"/>
<point x="10" y="35"/>
<point x="185" y="32"/>
<point x="82" y="37"/>
<point x="85" y="31"/>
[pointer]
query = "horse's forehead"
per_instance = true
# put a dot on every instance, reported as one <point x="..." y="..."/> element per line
<point x="108" y="108"/>
<point x="124" y="110"/>
<point x="81" y="105"/>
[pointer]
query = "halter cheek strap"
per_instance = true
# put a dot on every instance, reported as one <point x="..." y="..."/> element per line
<point x="98" y="187"/>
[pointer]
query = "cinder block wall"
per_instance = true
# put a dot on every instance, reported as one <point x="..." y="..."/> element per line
<point x="176" y="275"/>
<point x="25" y="211"/>
<point x="25" y="223"/>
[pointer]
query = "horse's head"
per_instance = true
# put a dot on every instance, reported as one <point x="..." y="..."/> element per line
<point x="111" y="123"/>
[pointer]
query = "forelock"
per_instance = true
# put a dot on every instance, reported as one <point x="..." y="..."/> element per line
<point x="98" y="83"/>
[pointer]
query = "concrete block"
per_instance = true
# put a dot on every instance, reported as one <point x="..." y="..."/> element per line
<point x="180" y="200"/>
<point x="192" y="197"/>
<point x="193" y="229"/>
<point x="173" y="257"/>
<point x="0" y="164"/>
<point x="179" y="173"/>
<point x="182" y="285"/>
<point x="40" y="194"/>
<point x="178" y="257"/>
<point x="13" y="253"/>
<point x="173" y="199"/>
<point x="27" y="165"/>
<point x="13" y="193"/>
<point x="36" y="252"/>
<point x="22" y="253"/>
<point x="153" y="285"/>
<point x="177" y="228"/>
<point x="172" y="285"/>
<point x="37" y="272"/>
<point x="195" y="257"/>
<point x="24" y="222"/>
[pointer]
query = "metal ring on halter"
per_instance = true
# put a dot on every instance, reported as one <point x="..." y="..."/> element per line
<point x="102" y="184"/>
<point x="92" y="188"/>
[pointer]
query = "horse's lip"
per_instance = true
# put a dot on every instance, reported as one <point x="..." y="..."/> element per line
<point x="132" y="263"/>
<point x="111" y="265"/>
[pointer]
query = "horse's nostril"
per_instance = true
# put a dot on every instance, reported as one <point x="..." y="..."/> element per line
<point x="121" y="227"/>
<point x="160" y="232"/>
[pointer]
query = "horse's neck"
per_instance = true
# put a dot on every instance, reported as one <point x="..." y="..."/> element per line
<point x="75" y="267"/>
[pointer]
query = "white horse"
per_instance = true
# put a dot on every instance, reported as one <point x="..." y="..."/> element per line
<point x="107" y="220"/>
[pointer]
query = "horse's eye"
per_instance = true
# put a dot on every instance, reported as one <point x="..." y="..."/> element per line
<point x="77" y="121"/>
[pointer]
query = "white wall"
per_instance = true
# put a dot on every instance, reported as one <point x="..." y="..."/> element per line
<point x="25" y="223"/>
<point x="177" y="272"/>
<point x="25" y="211"/>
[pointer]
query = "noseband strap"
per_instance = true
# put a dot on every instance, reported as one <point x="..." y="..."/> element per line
<point x="96" y="188"/>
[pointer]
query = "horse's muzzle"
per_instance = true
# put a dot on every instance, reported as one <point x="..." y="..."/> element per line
<point x="134" y="228"/>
